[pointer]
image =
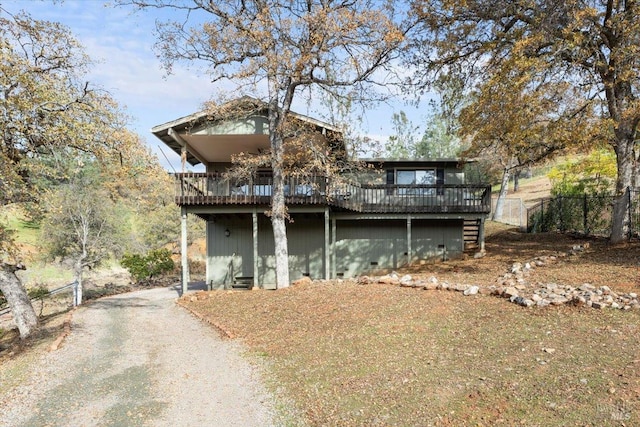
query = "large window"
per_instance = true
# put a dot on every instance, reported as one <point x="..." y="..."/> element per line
<point x="416" y="177"/>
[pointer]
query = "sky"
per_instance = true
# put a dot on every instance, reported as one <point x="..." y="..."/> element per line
<point x="121" y="44"/>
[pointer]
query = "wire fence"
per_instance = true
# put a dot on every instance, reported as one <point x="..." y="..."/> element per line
<point x="589" y="215"/>
<point x="48" y="296"/>
<point x="514" y="212"/>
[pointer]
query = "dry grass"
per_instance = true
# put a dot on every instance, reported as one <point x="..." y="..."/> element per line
<point x="357" y="355"/>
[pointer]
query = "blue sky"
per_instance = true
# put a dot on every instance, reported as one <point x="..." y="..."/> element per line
<point x="121" y="44"/>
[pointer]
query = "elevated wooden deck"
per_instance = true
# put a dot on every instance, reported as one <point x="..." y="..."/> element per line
<point x="198" y="189"/>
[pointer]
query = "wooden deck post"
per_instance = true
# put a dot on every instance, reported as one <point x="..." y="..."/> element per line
<point x="409" y="255"/>
<point x="333" y="249"/>
<point x="256" y="264"/>
<point x="481" y="235"/>
<point x="327" y="245"/>
<point x="183" y="251"/>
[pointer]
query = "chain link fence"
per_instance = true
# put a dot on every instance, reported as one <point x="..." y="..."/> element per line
<point x="514" y="212"/>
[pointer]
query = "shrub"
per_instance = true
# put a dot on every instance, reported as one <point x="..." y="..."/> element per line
<point x="154" y="263"/>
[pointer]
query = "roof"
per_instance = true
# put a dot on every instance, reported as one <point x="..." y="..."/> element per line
<point x="198" y="132"/>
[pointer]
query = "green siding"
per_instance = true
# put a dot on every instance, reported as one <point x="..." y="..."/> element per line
<point x="362" y="246"/>
<point x="369" y="245"/>
<point x="305" y="241"/>
<point x="430" y="238"/>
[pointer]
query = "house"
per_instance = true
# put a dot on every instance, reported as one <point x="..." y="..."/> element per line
<point x="392" y="213"/>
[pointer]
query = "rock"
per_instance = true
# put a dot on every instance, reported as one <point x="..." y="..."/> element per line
<point x="543" y="303"/>
<point x="388" y="280"/>
<point x="432" y="279"/>
<point x="579" y="300"/>
<point x="549" y="350"/>
<point x="605" y="290"/>
<point x="587" y="287"/>
<point x="615" y="305"/>
<point x="472" y="290"/>
<point x="598" y="304"/>
<point x="510" y="292"/>
<point x="406" y="279"/>
<point x="460" y="288"/>
<point x="559" y="300"/>
<point x="516" y="267"/>
<point x="633" y="295"/>
<point x="479" y="255"/>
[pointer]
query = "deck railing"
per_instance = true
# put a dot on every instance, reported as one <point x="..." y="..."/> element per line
<point x="215" y="189"/>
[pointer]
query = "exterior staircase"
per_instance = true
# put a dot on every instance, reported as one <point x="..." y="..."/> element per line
<point x="471" y="234"/>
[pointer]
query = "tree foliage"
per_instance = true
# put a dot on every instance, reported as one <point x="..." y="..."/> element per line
<point x="154" y="263"/>
<point x="52" y="123"/>
<point x="283" y="49"/>
<point x="546" y="73"/>
<point x="593" y="174"/>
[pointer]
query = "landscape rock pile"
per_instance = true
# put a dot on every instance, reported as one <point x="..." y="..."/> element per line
<point x="516" y="286"/>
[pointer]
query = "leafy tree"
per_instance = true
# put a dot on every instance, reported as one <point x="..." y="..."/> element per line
<point x="47" y="113"/>
<point x="402" y="144"/>
<point x="84" y="224"/>
<point x="586" y="50"/>
<point x="285" y="48"/>
<point x="593" y="174"/>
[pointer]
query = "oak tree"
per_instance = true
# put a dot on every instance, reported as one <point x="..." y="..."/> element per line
<point x="591" y="46"/>
<point x="284" y="49"/>
<point x="47" y="112"/>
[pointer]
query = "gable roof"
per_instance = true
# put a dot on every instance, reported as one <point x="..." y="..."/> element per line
<point x="209" y="139"/>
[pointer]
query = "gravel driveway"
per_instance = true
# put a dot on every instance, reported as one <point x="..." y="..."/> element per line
<point x="137" y="359"/>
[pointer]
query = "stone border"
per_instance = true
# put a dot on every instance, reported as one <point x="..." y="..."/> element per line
<point x="515" y="286"/>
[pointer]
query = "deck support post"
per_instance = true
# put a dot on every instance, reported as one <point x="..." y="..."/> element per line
<point x="184" y="260"/>
<point x="256" y="260"/>
<point x="333" y="249"/>
<point x="481" y="234"/>
<point x="409" y="255"/>
<point x="327" y="245"/>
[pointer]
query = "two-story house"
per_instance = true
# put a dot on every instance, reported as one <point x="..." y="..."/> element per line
<point x="393" y="213"/>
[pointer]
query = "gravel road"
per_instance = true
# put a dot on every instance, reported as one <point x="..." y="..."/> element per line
<point x="137" y="359"/>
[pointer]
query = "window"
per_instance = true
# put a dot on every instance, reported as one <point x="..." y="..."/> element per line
<point x="416" y="177"/>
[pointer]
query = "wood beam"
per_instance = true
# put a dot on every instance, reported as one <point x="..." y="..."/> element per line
<point x="185" y="145"/>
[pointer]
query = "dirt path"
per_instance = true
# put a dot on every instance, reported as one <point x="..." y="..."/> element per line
<point x="138" y="359"/>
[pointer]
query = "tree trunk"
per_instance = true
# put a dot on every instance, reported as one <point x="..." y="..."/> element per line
<point x="278" y="207"/>
<point x="77" y="290"/>
<point x="516" y="180"/>
<point x="625" y="156"/>
<point x="24" y="315"/>
<point x="504" y="187"/>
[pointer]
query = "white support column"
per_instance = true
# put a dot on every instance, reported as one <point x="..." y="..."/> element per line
<point x="256" y="263"/>
<point x="409" y="255"/>
<point x="333" y="249"/>
<point x="327" y="245"/>
<point x="183" y="251"/>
